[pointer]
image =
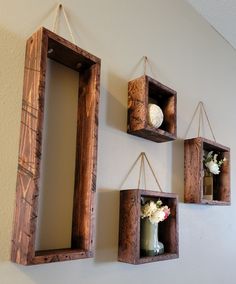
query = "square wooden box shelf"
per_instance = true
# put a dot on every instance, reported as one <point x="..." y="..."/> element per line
<point x="42" y="45"/>
<point x="194" y="172"/>
<point x="141" y="92"/>
<point x="129" y="228"/>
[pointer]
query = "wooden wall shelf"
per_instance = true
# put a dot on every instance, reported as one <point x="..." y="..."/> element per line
<point x="129" y="228"/>
<point x="141" y="92"/>
<point x="194" y="172"/>
<point x="42" y="45"/>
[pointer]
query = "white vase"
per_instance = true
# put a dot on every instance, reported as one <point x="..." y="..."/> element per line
<point x="149" y="244"/>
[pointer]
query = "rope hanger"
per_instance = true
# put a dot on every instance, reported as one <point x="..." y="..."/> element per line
<point x="200" y="107"/>
<point x="142" y="157"/>
<point x="58" y="8"/>
<point x="146" y="63"/>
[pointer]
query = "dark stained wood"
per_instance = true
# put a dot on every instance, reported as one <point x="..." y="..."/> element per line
<point x="41" y="45"/>
<point x="48" y="256"/>
<point x="129" y="227"/>
<point x="86" y="157"/>
<point x="141" y="92"/>
<point x="224" y="179"/>
<point x="194" y="172"/>
<point x="29" y="150"/>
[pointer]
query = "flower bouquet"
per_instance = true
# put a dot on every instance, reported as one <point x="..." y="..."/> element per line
<point x="212" y="164"/>
<point x="154" y="211"/>
<point x="151" y="214"/>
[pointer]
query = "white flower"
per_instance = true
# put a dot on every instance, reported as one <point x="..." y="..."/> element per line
<point x="157" y="216"/>
<point x="213" y="167"/>
<point x="148" y="209"/>
<point x="211" y="162"/>
<point x="154" y="211"/>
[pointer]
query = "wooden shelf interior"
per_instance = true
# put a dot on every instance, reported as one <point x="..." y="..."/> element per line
<point x="164" y="97"/>
<point x="195" y="149"/>
<point x="220" y="181"/>
<point x="63" y="54"/>
<point x="40" y="46"/>
<point x="167" y="229"/>
<point x="129" y="233"/>
<point x="141" y="92"/>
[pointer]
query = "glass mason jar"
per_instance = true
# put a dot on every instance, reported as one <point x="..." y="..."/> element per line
<point x="208" y="185"/>
<point x="149" y="244"/>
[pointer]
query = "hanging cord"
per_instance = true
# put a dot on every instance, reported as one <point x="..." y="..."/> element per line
<point x="144" y="175"/>
<point x="194" y="114"/>
<point x="58" y="8"/>
<point x="202" y="111"/>
<point x="131" y="169"/>
<point x="145" y="65"/>
<point x="208" y="122"/>
<point x="142" y="170"/>
<point x="158" y="184"/>
<point x="200" y="119"/>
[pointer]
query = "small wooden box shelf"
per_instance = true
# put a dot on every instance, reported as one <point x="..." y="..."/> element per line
<point x="194" y="172"/>
<point x="129" y="228"/>
<point x="42" y="45"/>
<point x="141" y="92"/>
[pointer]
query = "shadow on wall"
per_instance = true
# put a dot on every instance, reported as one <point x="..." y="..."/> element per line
<point x="117" y="98"/>
<point x="107" y="225"/>
<point x="178" y="168"/>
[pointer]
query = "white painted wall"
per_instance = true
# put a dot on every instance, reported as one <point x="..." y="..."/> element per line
<point x="187" y="55"/>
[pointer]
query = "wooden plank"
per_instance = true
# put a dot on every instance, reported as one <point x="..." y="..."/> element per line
<point x="193" y="170"/>
<point x="137" y="111"/>
<point x="67" y="53"/>
<point x="224" y="181"/>
<point x="48" y="256"/>
<point x="129" y="226"/>
<point x="156" y="135"/>
<point x="29" y="151"/>
<point x="169" y="112"/>
<point x="86" y="157"/>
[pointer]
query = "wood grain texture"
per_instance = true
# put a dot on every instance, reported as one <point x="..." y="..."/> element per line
<point x="29" y="150"/>
<point x="86" y="157"/>
<point x="141" y="92"/>
<point x="41" y="45"/>
<point x="48" y="256"/>
<point x="224" y="191"/>
<point x="194" y="172"/>
<point x="129" y="227"/>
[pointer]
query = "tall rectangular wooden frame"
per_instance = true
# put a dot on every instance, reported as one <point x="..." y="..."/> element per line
<point x="42" y="45"/>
